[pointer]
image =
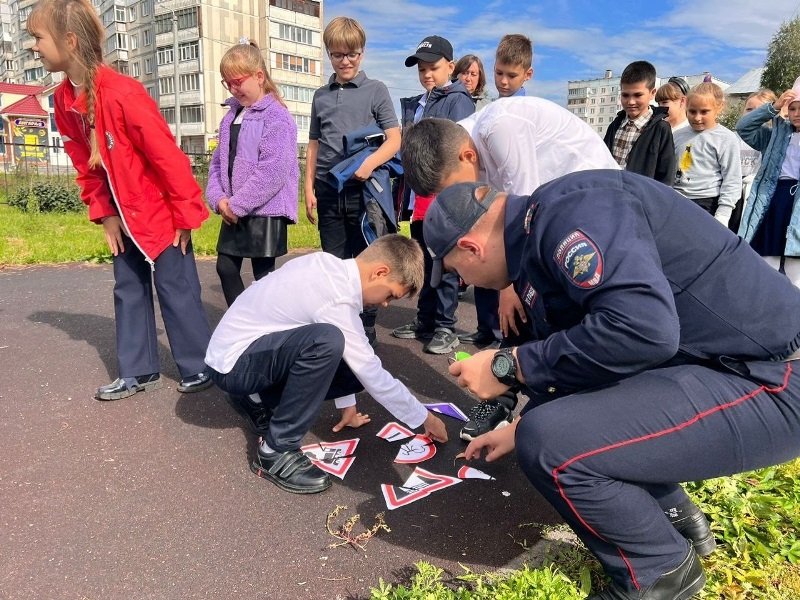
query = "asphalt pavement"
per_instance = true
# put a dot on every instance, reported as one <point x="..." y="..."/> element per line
<point x="151" y="497"/>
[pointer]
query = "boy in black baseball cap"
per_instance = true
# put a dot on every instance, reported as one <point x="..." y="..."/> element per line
<point x="436" y="308"/>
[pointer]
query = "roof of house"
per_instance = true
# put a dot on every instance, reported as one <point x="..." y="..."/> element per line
<point x="747" y="84"/>
<point x="27" y="107"/>
<point x="20" y="89"/>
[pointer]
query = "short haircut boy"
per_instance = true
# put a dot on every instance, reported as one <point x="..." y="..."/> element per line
<point x="429" y="153"/>
<point x="344" y="32"/>
<point x="639" y="71"/>
<point x="515" y="49"/>
<point x="402" y="255"/>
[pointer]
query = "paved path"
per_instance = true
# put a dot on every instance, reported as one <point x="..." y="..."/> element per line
<point x="151" y="497"/>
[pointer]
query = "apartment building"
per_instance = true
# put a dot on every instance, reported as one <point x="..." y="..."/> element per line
<point x="174" y="48"/>
<point x="596" y="101"/>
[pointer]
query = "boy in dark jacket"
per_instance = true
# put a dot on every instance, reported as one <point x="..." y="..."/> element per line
<point x="436" y="307"/>
<point x="640" y="138"/>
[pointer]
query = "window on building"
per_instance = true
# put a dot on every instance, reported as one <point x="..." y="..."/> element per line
<point x="131" y="14"/>
<point x="144" y="8"/>
<point x="119" y="14"/>
<point x="168" y="114"/>
<point x="134" y="40"/>
<point x="190" y="82"/>
<point x="108" y="17"/>
<point x="305" y="7"/>
<point x="293" y="33"/>
<point x="23" y="14"/>
<point x="191" y="114"/>
<point x="296" y="64"/>
<point x="2" y="142"/>
<point x="163" y="23"/>
<point x="122" y="67"/>
<point x="51" y="101"/>
<point x="164" y="56"/>
<point x="189" y="50"/>
<point x="135" y="69"/>
<point x="53" y="127"/>
<point x="122" y="41"/>
<point x="187" y="18"/>
<point x="296" y="93"/>
<point x="148" y="66"/>
<point x="151" y="91"/>
<point x="166" y="85"/>
<point x="303" y="122"/>
<point x="147" y="37"/>
<point x="34" y="74"/>
<point x="9" y="65"/>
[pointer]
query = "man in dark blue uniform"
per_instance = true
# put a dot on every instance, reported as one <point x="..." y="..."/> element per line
<point x="662" y="351"/>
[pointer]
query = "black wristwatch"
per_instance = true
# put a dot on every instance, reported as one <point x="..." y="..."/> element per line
<point x="504" y="367"/>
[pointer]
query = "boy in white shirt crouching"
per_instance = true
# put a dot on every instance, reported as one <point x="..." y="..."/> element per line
<point x="295" y="339"/>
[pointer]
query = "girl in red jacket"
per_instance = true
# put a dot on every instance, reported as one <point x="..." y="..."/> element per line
<point x="139" y="185"/>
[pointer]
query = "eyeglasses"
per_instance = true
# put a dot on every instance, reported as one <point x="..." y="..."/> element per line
<point x="234" y="83"/>
<point x="340" y="56"/>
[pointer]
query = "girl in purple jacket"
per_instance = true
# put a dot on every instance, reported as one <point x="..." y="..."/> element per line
<point x="253" y="177"/>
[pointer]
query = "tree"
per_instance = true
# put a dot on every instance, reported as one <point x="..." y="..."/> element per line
<point x="783" y="58"/>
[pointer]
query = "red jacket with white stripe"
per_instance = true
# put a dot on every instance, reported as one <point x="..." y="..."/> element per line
<point x="142" y="169"/>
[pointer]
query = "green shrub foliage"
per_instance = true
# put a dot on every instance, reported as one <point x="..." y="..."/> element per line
<point x="47" y="196"/>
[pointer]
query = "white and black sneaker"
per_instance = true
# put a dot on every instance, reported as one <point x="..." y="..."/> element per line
<point x="485" y="417"/>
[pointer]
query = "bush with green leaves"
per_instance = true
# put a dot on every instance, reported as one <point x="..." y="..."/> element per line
<point x="44" y="195"/>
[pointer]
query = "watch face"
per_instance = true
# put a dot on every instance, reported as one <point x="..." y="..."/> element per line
<point x="501" y="365"/>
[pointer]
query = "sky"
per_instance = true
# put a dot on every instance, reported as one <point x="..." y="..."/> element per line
<point x="572" y="39"/>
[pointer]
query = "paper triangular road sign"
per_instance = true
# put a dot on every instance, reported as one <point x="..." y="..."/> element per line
<point x="333" y="457"/>
<point x="421" y="483"/>
<point x="472" y="473"/>
<point x="393" y="432"/>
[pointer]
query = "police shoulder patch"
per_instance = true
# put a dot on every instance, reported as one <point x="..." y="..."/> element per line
<point x="580" y="259"/>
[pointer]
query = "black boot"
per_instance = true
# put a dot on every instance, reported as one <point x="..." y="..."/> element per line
<point x="681" y="583"/>
<point x="692" y="524"/>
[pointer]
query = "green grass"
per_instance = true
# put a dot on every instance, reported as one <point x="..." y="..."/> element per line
<point x="33" y="238"/>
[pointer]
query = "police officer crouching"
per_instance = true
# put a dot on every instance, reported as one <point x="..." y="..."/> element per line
<point x="662" y="351"/>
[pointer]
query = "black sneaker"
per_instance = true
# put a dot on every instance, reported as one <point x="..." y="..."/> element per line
<point x="292" y="471"/>
<point x="412" y="330"/>
<point x="119" y="388"/>
<point x="256" y="415"/>
<point x="443" y="341"/>
<point x="372" y="336"/>
<point x="485" y="417"/>
<point x="692" y="524"/>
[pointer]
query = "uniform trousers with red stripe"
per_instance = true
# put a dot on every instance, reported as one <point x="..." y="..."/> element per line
<point x="611" y="459"/>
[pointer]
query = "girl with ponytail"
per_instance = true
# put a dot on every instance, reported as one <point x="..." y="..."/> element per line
<point x="139" y="185"/>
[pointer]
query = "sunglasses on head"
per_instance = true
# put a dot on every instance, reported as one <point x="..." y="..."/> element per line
<point x="681" y="83"/>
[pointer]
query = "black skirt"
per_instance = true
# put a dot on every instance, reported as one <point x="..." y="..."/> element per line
<point x="254" y="237"/>
<point x="770" y="237"/>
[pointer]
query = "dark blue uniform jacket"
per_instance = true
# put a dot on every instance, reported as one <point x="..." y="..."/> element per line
<point x="619" y="273"/>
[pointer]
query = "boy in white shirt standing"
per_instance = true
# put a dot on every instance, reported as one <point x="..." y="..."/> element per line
<point x="295" y="339"/>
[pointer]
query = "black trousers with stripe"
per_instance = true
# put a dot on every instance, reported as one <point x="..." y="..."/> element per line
<point x="611" y="460"/>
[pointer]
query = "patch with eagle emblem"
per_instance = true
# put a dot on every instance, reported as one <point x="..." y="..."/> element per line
<point x="578" y="256"/>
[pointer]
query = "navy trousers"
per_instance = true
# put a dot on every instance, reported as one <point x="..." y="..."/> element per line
<point x="339" y="222"/>
<point x="436" y="307"/>
<point x="293" y="372"/>
<point x="610" y="460"/>
<point x="178" y="287"/>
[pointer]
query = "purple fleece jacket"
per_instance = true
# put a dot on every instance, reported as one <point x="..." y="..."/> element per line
<point x="265" y="171"/>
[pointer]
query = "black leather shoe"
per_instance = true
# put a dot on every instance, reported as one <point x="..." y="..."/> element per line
<point x="118" y="389"/>
<point x="291" y="471"/>
<point x="692" y="524"/>
<point x="478" y="338"/>
<point x="679" y="584"/>
<point x="195" y="383"/>
<point x="255" y="415"/>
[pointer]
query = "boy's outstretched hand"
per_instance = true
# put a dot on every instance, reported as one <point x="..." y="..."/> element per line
<point x="351" y="418"/>
<point x="434" y="428"/>
<point x="498" y="443"/>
